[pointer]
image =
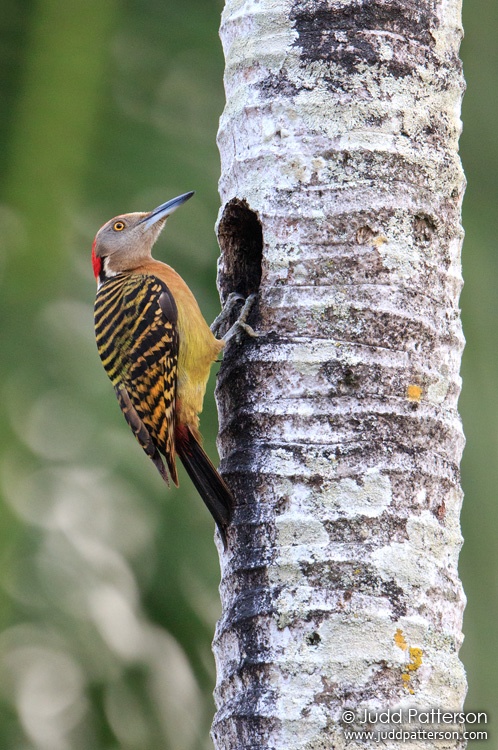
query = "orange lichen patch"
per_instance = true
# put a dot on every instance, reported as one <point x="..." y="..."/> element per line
<point x="414" y="663"/>
<point x="412" y="666"/>
<point x="414" y="392"/>
<point x="379" y="240"/>
<point x="406" y="684"/>
<point x="399" y="640"/>
<point x="415" y="659"/>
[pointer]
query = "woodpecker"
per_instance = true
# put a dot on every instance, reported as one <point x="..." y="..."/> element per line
<point x="157" y="350"/>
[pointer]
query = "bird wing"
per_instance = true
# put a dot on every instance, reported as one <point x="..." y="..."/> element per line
<point x="137" y="338"/>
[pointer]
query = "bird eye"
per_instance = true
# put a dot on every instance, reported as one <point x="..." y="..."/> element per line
<point x="118" y="226"/>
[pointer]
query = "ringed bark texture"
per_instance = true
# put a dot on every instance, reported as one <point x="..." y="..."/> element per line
<point x="341" y="191"/>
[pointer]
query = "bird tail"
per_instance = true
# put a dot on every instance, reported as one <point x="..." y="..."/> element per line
<point x="208" y="483"/>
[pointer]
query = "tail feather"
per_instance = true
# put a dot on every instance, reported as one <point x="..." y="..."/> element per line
<point x="208" y="483"/>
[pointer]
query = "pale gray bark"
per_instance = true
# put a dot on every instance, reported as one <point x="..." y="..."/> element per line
<point x="341" y="190"/>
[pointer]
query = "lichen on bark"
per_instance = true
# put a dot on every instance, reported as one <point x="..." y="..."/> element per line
<point x="339" y="429"/>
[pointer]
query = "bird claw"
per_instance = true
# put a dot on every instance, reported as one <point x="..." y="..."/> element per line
<point x="223" y="319"/>
<point x="241" y="323"/>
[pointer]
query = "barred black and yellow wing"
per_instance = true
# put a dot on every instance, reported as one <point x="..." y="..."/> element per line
<point x="137" y="339"/>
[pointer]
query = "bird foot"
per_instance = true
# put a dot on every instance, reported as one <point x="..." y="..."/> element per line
<point x="240" y="324"/>
<point x="222" y="321"/>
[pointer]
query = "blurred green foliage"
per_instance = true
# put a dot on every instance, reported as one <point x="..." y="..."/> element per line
<point x="108" y="582"/>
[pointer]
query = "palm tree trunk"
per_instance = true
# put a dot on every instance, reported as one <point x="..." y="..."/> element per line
<point x="341" y="191"/>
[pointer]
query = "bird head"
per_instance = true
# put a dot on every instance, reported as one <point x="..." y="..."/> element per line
<point x="125" y="241"/>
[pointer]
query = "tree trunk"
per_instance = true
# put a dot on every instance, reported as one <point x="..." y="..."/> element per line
<point x="339" y="433"/>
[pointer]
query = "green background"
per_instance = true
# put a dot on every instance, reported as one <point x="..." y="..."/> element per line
<point x="108" y="582"/>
